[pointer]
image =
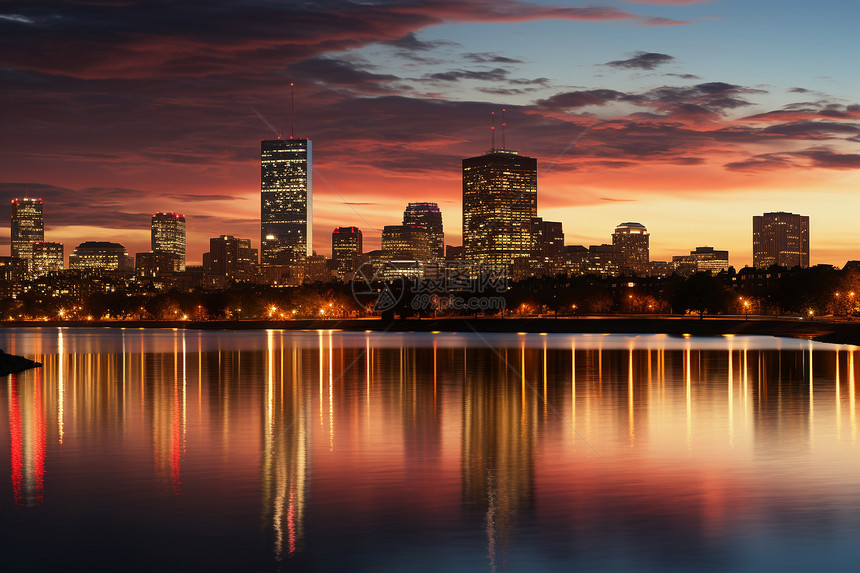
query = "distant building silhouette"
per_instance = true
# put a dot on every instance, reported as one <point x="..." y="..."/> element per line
<point x="230" y="257"/>
<point x="780" y="239"/>
<point x="429" y="216"/>
<point x="286" y="201"/>
<point x="499" y="202"/>
<point x="346" y="247"/>
<point x="168" y="235"/>
<point x="155" y="264"/>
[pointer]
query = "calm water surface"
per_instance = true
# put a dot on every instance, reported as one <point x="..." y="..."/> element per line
<point x="162" y="450"/>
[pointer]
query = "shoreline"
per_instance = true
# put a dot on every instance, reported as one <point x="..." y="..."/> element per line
<point x="790" y="327"/>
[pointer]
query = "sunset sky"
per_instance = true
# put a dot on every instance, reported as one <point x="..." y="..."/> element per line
<point x="687" y="116"/>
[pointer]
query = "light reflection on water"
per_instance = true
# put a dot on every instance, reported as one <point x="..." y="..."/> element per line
<point x="268" y="450"/>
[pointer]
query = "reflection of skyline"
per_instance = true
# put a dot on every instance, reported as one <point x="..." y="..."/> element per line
<point x="285" y="446"/>
<point x="429" y="435"/>
<point x="27" y="430"/>
<point x="499" y="421"/>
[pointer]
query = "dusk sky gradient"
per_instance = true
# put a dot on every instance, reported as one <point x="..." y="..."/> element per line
<point x="687" y="116"/>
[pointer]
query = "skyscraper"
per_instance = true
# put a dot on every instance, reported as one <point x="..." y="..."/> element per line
<point x="346" y="245"/>
<point x="780" y="239"/>
<point x="168" y="235"/>
<point x="28" y="227"/>
<point x="499" y="201"/>
<point x="286" y="201"/>
<point x="632" y="240"/>
<point x="429" y="216"/>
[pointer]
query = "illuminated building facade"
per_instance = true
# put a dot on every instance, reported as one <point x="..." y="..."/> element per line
<point x="27" y="227"/>
<point x="168" y="235"/>
<point x="405" y="243"/>
<point x="702" y="259"/>
<point x="155" y="264"/>
<point x="603" y="260"/>
<point x="548" y="249"/>
<point x="101" y="256"/>
<point x="48" y="257"/>
<point x="346" y="246"/>
<point x="632" y="240"/>
<point x="12" y="273"/>
<point x="286" y="195"/>
<point x="429" y="216"/>
<point x="780" y="239"/>
<point x="499" y="202"/>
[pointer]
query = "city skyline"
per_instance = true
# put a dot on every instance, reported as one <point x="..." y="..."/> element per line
<point x="636" y="111"/>
<point x="778" y="238"/>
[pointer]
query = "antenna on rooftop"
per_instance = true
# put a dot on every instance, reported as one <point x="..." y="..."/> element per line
<point x="503" y="128"/>
<point x="292" y="107"/>
<point x="492" y="131"/>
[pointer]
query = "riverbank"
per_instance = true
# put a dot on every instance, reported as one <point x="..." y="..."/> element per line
<point x="841" y="332"/>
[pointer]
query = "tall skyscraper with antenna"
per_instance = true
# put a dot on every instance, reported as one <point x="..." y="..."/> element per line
<point x="499" y="202"/>
<point x="286" y="198"/>
<point x="286" y="193"/>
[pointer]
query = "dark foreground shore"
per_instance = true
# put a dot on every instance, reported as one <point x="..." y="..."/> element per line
<point x="839" y="332"/>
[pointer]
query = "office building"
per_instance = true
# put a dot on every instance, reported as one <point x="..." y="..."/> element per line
<point x="632" y="240"/>
<point x="429" y="216"/>
<point x="230" y="257"/>
<point x="27" y="227"/>
<point x="702" y="259"/>
<point x="47" y="257"/>
<point x="499" y="202"/>
<point x="286" y="201"/>
<point x="13" y="271"/>
<point x="156" y="264"/>
<point x="168" y="235"/>
<point x="603" y="260"/>
<point x="101" y="256"/>
<point x="575" y="259"/>
<point x="346" y="246"/>
<point x="406" y="243"/>
<point x="780" y="239"/>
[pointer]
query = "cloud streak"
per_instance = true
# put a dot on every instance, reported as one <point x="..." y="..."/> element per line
<point x="642" y="61"/>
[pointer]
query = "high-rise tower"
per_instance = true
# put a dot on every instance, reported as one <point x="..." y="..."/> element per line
<point x="499" y="202"/>
<point x="780" y="239"/>
<point x="168" y="235"/>
<point x="286" y="201"/>
<point x="28" y="227"/>
<point x="429" y="216"/>
<point x="632" y="240"/>
<point x="346" y="246"/>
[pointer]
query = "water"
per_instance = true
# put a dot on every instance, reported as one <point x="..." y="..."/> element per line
<point x="162" y="450"/>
